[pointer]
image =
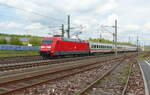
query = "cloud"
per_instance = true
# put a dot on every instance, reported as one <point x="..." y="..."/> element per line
<point x="147" y="26"/>
<point x="35" y="26"/>
<point x="9" y="25"/>
<point x="133" y="27"/>
<point x="37" y="16"/>
<point x="108" y="6"/>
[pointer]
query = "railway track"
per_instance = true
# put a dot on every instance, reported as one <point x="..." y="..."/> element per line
<point x="20" y="59"/>
<point x="14" y="66"/>
<point x="17" y="59"/>
<point x="29" y="79"/>
<point x="91" y="89"/>
<point x="127" y="81"/>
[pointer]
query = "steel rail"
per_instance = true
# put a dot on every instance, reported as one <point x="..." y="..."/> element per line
<point x="127" y="81"/>
<point x="40" y="74"/>
<point x="6" y="67"/>
<point x="83" y="92"/>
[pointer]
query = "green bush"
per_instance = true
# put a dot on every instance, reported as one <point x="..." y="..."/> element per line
<point x="3" y="41"/>
<point x="15" y="41"/>
<point x="35" y="41"/>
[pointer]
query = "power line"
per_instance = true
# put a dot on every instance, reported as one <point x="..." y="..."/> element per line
<point x="33" y="12"/>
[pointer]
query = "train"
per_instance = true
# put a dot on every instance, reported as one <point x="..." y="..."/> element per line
<point x="61" y="46"/>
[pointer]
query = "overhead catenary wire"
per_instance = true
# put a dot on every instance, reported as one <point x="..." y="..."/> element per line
<point x="33" y="12"/>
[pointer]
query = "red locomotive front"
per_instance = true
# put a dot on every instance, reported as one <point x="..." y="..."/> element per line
<point x="58" y="46"/>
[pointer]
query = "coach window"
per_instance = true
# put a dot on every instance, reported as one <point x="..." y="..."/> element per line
<point x="100" y="46"/>
<point x="104" y="46"/>
<point x="92" y="46"/>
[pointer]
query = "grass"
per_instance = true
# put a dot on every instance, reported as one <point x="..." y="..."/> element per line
<point x="143" y="54"/>
<point x="124" y="74"/>
<point x="10" y="53"/>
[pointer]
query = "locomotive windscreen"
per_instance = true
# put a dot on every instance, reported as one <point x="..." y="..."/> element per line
<point x="47" y="41"/>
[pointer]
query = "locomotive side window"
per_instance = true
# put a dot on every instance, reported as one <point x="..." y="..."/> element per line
<point x="47" y="41"/>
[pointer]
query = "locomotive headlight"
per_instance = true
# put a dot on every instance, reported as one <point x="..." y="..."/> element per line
<point x="49" y="47"/>
<point x="42" y="46"/>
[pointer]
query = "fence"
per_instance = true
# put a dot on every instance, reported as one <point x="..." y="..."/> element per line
<point x="18" y="47"/>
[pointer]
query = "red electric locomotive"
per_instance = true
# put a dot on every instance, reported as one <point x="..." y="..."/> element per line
<point x="59" y="46"/>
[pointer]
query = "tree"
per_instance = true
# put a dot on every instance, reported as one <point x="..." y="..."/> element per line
<point x="15" y="41"/>
<point x="35" y="41"/>
<point x="3" y="41"/>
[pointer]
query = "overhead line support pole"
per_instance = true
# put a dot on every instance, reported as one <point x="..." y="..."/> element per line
<point x="137" y="45"/>
<point x="63" y="32"/>
<point x="116" y="38"/>
<point x="68" y="31"/>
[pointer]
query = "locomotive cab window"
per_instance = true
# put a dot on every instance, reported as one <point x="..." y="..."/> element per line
<point x="47" y="41"/>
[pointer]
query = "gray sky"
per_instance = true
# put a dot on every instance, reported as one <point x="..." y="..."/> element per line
<point x="35" y="17"/>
